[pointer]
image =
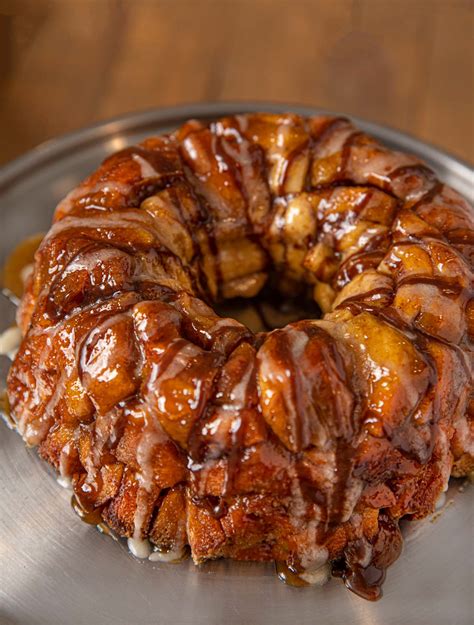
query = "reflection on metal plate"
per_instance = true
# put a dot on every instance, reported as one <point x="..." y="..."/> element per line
<point x="55" y="570"/>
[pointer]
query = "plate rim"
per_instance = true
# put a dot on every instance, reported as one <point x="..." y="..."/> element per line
<point x="51" y="149"/>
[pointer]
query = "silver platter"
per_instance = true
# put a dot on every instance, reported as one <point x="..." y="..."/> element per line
<point x="56" y="570"/>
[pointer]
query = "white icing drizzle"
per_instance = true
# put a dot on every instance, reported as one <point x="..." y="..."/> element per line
<point x="147" y="170"/>
<point x="152" y="435"/>
<point x="107" y="186"/>
<point x="318" y="577"/>
<point x="110" y="221"/>
<point x="26" y="272"/>
<point x="352" y="491"/>
<point x="34" y="430"/>
<point x="143" y="549"/>
<point x="173" y="555"/>
<point x="227" y="420"/>
<point x="63" y="458"/>
<point x="298" y="505"/>
<point x="239" y="392"/>
<point x="268" y="372"/>
<point x="140" y="548"/>
<point x="378" y="167"/>
<point x="242" y="156"/>
<point x="65" y="482"/>
<point x="224" y="322"/>
<point x="179" y="362"/>
<point x="277" y="155"/>
<point x="141" y="513"/>
<point x="96" y="333"/>
<point x="465" y="435"/>
<point x="317" y="571"/>
<point x="443" y="444"/>
<point x="440" y="502"/>
<point x="304" y="516"/>
<point x="88" y="262"/>
<point x="299" y="340"/>
<point x="243" y="122"/>
<point x="334" y="141"/>
<point x="10" y="341"/>
<point x="189" y="146"/>
<point x="105" y="431"/>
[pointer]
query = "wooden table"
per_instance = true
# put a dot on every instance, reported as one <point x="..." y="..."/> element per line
<point x="65" y="64"/>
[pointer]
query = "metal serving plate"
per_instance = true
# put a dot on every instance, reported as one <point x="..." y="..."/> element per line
<point x="56" y="570"/>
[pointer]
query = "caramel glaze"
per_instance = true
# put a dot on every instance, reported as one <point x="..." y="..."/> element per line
<point x="305" y="444"/>
<point x="5" y="411"/>
<point x="91" y="517"/>
<point x="15" y="270"/>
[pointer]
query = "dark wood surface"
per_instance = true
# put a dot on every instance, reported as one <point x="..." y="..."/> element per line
<point x="406" y="63"/>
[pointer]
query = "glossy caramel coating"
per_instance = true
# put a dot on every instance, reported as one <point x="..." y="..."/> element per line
<point x="302" y="445"/>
